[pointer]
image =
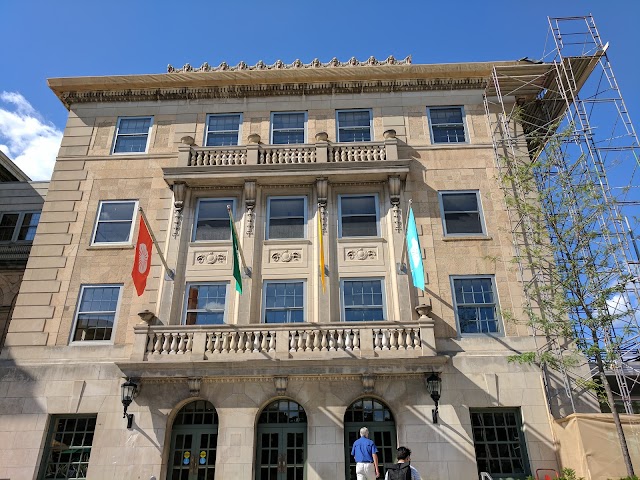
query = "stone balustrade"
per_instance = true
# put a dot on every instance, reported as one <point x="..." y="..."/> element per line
<point x="287" y="341"/>
<point x="256" y="153"/>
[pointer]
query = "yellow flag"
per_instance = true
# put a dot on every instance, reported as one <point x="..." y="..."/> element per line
<point x="321" y="243"/>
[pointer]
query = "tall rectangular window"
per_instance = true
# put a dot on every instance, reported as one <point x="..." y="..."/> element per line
<point x="96" y="312"/>
<point x="499" y="442"/>
<point x="223" y="130"/>
<point x="283" y="302"/>
<point x="115" y="222"/>
<point x="212" y="219"/>
<point x="362" y="300"/>
<point x="354" y="125"/>
<point x="447" y="125"/>
<point x="475" y="303"/>
<point x="19" y="226"/>
<point x="206" y="303"/>
<point x="461" y="213"/>
<point x="68" y="447"/>
<point x="288" y="127"/>
<point x="358" y="216"/>
<point x="286" y="217"/>
<point x="132" y="135"/>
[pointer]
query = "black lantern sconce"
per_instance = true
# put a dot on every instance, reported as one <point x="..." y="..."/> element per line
<point x="434" y="387"/>
<point x="129" y="390"/>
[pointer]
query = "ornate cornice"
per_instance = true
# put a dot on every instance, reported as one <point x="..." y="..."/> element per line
<point x="280" y="65"/>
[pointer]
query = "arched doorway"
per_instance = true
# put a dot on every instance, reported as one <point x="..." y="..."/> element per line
<point x="376" y="416"/>
<point x="194" y="439"/>
<point x="281" y="447"/>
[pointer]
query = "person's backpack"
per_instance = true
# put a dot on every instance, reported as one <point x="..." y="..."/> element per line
<point x="400" y="471"/>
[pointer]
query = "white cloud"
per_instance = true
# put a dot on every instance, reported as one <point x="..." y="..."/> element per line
<point x="28" y="139"/>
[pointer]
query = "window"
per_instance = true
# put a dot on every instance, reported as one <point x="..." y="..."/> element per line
<point x="19" y="226"/>
<point x="68" y="447"/>
<point x="358" y="215"/>
<point x="461" y="213"/>
<point x="96" y="313"/>
<point x="132" y="135"/>
<point x="212" y="220"/>
<point x="447" y="125"/>
<point x="223" y="130"/>
<point x="362" y="300"/>
<point x="205" y="303"/>
<point x="115" y="221"/>
<point x="475" y="302"/>
<point x="283" y="302"/>
<point x="354" y="125"/>
<point x="286" y="217"/>
<point x="499" y="442"/>
<point x="288" y="127"/>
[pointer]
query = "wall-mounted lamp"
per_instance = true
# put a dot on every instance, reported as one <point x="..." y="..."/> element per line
<point x="129" y="390"/>
<point x="434" y="387"/>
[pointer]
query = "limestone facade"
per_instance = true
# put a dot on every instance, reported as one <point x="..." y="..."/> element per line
<point x="324" y="364"/>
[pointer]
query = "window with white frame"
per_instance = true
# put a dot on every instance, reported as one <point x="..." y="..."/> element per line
<point x="18" y="226"/>
<point x="362" y="300"/>
<point x="132" y="135"/>
<point x="447" y="125"/>
<point x="206" y="303"/>
<point x="358" y="216"/>
<point x="223" y="130"/>
<point x="461" y="213"/>
<point x="286" y="217"/>
<point x="475" y="304"/>
<point x="288" y="127"/>
<point x="283" y="301"/>
<point x="96" y="312"/>
<point x="354" y="125"/>
<point x="68" y="447"/>
<point x="212" y="219"/>
<point x="114" y="224"/>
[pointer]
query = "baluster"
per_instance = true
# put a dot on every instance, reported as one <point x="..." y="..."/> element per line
<point x="393" y="339"/>
<point x="316" y="340"/>
<point x="405" y="339"/>
<point x="287" y="156"/>
<point x="233" y="347"/>
<point x="243" y="158"/>
<point x="292" y="340"/>
<point x="189" y="347"/>
<point x="225" y="342"/>
<point x="167" y="343"/>
<point x="340" y="343"/>
<point x="348" y="342"/>
<point x="356" y="339"/>
<point x="324" y="342"/>
<point x="217" y="345"/>
<point x="261" y="157"/>
<point x="302" y="341"/>
<point x="416" y="339"/>
<point x="332" y="340"/>
<point x="182" y="344"/>
<point x="157" y="346"/>
<point x="191" y="159"/>
<point x="248" y="342"/>
<point x="343" y="154"/>
<point x="209" y="345"/>
<point x="272" y="341"/>
<point x="377" y="342"/>
<point x="385" y="339"/>
<point x="311" y="338"/>
<point x="264" y="341"/>
<point x="174" y="343"/>
<point x="256" y="341"/>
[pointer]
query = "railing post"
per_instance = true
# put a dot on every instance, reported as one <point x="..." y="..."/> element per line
<point x="282" y="344"/>
<point x="322" y="146"/>
<point x="366" y="342"/>
<point x="141" y="335"/>
<point x="184" y="150"/>
<point x="199" y="345"/>
<point x="253" y="149"/>
<point x="427" y="336"/>
<point x="391" y="144"/>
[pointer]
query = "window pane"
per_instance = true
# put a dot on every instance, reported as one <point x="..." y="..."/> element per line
<point x="131" y="144"/>
<point x="134" y="125"/>
<point x="475" y="303"/>
<point x="359" y="227"/>
<point x="446" y="115"/>
<point x="463" y="223"/>
<point x="213" y="220"/>
<point x="223" y="130"/>
<point x="358" y="216"/>
<point x="68" y="448"/>
<point x="362" y="300"/>
<point x="460" y="202"/>
<point x="288" y="121"/>
<point x="358" y="205"/>
<point x="112" y="211"/>
<point x="116" y="232"/>
<point x="286" y="138"/>
<point x="284" y="302"/>
<point x="7" y="226"/>
<point x="96" y="313"/>
<point x="29" y="225"/>
<point x="286" y="207"/>
<point x="286" y="218"/>
<point x="206" y="304"/>
<point x="354" y="126"/>
<point x="447" y="125"/>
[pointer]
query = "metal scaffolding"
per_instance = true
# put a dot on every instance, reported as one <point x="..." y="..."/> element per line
<point x="568" y="109"/>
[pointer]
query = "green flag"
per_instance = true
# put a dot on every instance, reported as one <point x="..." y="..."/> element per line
<point x="236" y="260"/>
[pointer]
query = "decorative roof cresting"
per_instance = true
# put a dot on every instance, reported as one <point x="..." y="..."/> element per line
<point x="280" y="65"/>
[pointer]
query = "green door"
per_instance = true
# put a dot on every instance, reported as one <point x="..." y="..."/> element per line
<point x="281" y="442"/>
<point x="194" y="439"/>
<point x="373" y="414"/>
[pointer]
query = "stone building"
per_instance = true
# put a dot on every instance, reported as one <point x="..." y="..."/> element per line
<point x="20" y="205"/>
<point x="275" y="382"/>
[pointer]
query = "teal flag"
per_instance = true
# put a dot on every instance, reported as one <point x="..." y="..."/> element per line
<point x="414" y="252"/>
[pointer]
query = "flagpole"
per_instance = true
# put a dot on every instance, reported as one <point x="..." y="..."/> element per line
<point x="170" y="273"/>
<point x="404" y="238"/>
<point x="247" y="272"/>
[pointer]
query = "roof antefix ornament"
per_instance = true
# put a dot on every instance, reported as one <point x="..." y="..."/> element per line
<point x="280" y="65"/>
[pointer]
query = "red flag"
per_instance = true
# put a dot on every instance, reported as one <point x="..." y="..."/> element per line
<point x="142" y="261"/>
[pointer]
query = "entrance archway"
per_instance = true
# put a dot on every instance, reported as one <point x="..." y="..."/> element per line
<point x="281" y="446"/>
<point x="194" y="440"/>
<point x="376" y="416"/>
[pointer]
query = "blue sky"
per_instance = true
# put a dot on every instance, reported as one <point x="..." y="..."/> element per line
<point x="43" y="38"/>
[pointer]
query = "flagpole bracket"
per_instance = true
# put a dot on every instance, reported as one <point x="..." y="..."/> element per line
<point x="170" y="274"/>
<point x="402" y="268"/>
<point x="246" y="272"/>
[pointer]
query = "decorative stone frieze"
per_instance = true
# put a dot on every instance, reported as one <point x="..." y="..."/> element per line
<point x="286" y="256"/>
<point x="361" y="254"/>
<point x="211" y="258"/>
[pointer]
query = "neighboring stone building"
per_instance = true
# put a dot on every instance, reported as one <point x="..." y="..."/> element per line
<point x="20" y="205"/>
<point x="233" y="385"/>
